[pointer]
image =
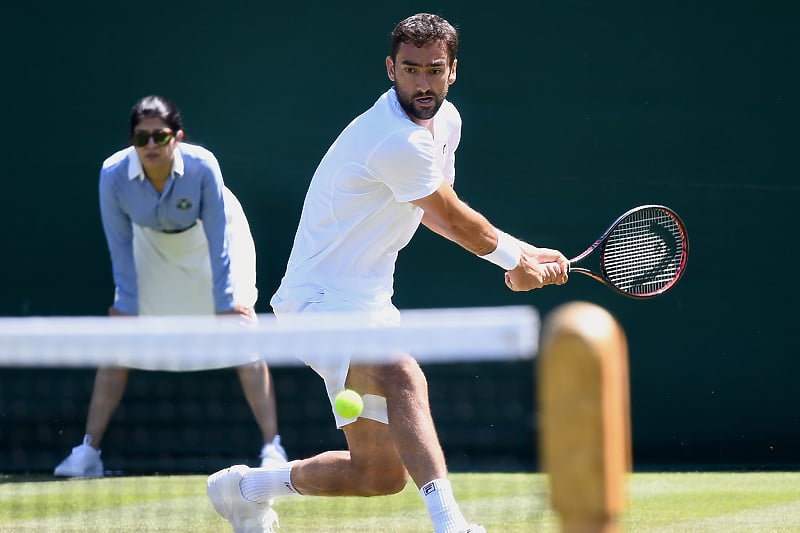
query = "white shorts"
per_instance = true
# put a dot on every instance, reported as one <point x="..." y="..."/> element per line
<point x="333" y="370"/>
<point x="174" y="269"/>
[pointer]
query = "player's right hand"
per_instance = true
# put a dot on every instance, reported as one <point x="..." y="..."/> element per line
<point x="538" y="267"/>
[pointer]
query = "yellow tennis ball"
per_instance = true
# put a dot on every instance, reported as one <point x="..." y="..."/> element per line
<point x="348" y="403"/>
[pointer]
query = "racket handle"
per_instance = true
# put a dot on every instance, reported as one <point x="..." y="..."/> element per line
<point x="569" y="267"/>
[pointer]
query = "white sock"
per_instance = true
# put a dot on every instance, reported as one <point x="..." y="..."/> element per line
<point x="263" y="484"/>
<point x="442" y="506"/>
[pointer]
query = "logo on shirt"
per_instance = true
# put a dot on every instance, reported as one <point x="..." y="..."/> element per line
<point x="444" y="148"/>
<point x="183" y="204"/>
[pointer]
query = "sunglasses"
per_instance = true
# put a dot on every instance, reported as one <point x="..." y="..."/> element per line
<point x="160" y="137"/>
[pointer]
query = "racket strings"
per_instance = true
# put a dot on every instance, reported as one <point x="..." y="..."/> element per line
<point x="644" y="253"/>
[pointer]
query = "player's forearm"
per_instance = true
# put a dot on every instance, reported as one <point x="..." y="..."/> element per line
<point x="450" y="217"/>
<point x="473" y="233"/>
<point x="463" y="235"/>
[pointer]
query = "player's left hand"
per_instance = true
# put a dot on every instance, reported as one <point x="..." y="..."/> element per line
<point x="538" y="267"/>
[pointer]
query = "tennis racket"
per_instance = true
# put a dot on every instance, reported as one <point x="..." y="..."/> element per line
<point x="642" y="254"/>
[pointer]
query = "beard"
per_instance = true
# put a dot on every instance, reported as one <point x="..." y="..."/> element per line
<point x="408" y="103"/>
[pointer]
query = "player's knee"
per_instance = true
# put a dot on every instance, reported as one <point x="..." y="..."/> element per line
<point x="397" y="482"/>
<point x="384" y="481"/>
<point x="404" y="374"/>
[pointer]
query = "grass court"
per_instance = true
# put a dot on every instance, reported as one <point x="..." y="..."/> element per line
<point x="745" y="502"/>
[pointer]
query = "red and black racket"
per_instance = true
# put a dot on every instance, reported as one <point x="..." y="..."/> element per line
<point x="642" y="254"/>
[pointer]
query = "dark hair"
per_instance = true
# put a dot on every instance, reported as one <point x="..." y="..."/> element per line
<point x="423" y="29"/>
<point x="156" y="106"/>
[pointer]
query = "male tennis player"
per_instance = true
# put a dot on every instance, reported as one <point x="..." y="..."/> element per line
<point x="390" y="169"/>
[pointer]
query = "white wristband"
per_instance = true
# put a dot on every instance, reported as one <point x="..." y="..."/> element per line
<point x="507" y="253"/>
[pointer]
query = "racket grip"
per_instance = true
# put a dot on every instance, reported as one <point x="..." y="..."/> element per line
<point x="569" y="265"/>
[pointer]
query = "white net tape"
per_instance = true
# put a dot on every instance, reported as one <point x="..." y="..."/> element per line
<point x="201" y="343"/>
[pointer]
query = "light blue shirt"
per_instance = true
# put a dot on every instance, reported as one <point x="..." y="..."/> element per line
<point x="193" y="191"/>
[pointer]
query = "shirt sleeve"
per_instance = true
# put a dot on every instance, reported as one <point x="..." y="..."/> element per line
<point x="406" y="163"/>
<point x="119" y="236"/>
<point x="212" y="213"/>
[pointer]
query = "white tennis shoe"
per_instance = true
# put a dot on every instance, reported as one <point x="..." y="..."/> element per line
<point x="273" y="454"/>
<point x="226" y="497"/>
<point x="84" y="461"/>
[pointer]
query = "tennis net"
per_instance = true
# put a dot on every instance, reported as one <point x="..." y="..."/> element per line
<point x="199" y="343"/>
<point x="187" y="413"/>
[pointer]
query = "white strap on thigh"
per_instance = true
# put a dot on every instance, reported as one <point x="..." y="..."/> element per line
<point x="375" y="408"/>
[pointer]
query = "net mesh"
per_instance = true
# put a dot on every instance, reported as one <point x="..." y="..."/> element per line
<point x="187" y="413"/>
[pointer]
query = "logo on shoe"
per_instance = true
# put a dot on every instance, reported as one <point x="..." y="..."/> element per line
<point x="430" y="487"/>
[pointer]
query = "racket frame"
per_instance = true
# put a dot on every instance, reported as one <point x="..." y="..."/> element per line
<point x="600" y="242"/>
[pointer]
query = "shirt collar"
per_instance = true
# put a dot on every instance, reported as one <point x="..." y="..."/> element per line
<point x="135" y="169"/>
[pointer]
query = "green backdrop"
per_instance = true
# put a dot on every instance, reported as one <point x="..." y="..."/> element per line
<point x="573" y="112"/>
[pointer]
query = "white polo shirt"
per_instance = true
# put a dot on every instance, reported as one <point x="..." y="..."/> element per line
<point x="358" y="213"/>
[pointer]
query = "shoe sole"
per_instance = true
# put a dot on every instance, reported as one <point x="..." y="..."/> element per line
<point x="220" y="493"/>
<point x="218" y="500"/>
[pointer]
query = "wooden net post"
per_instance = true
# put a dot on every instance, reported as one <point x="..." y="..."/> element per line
<point x="584" y="410"/>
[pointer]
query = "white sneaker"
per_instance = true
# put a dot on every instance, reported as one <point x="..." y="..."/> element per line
<point x="474" y="528"/>
<point x="273" y="454"/>
<point x="226" y="497"/>
<point x="84" y="461"/>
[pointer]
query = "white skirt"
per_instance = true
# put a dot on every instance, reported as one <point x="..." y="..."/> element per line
<point x="174" y="269"/>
